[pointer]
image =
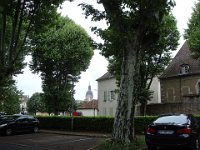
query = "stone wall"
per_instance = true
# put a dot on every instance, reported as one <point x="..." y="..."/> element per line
<point x="190" y="104"/>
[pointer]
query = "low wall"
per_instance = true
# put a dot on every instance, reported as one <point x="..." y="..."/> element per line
<point x="188" y="105"/>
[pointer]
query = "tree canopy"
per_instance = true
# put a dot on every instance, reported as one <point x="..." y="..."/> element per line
<point x="10" y="100"/>
<point x="36" y="103"/>
<point x="18" y="18"/>
<point x="133" y="25"/>
<point x="192" y="34"/>
<point x="60" y="55"/>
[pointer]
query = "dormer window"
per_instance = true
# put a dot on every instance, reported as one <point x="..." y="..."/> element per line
<point x="185" y="68"/>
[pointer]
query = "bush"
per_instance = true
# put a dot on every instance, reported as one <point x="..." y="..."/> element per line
<point x="55" y="122"/>
<point x="91" y="124"/>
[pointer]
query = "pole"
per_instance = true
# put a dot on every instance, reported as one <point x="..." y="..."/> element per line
<point x="72" y="117"/>
<point x="72" y="105"/>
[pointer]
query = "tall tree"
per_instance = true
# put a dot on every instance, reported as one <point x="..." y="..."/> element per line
<point x="192" y="34"/>
<point x="133" y="25"/>
<point x="18" y="18"/>
<point x="10" y="100"/>
<point x="156" y="57"/>
<point x="60" y="55"/>
<point x="36" y="103"/>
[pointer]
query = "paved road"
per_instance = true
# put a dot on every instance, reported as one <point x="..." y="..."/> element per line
<point x="45" y="141"/>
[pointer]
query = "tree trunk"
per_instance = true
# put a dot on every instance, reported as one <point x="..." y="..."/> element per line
<point x="123" y="128"/>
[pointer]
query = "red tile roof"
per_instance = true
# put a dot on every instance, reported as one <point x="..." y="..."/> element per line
<point x="89" y="104"/>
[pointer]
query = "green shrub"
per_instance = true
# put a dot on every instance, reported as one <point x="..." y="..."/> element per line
<point x="91" y="124"/>
<point x="55" y="122"/>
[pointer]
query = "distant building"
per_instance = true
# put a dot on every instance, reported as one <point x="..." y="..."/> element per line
<point x="181" y="79"/>
<point x="180" y="85"/>
<point x="108" y="93"/>
<point x="88" y="108"/>
<point x="23" y="103"/>
<point x="89" y="94"/>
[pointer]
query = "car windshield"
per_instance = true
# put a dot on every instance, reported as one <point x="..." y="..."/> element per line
<point x="179" y="119"/>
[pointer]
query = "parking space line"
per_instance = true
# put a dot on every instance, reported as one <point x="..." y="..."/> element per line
<point x="78" y="140"/>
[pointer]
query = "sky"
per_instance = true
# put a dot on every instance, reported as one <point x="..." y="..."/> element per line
<point x="30" y="83"/>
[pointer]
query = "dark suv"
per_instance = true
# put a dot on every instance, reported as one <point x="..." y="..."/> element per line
<point x="173" y="131"/>
<point x="10" y="124"/>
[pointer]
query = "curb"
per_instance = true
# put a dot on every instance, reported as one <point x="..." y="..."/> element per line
<point x="87" y="134"/>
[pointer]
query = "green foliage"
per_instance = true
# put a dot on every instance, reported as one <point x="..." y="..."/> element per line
<point x="192" y="34"/>
<point x="9" y="100"/>
<point x="18" y="18"/>
<point x="36" y="103"/>
<point x="55" y="122"/>
<point x="108" y="145"/>
<point x="90" y="124"/>
<point x="134" y="29"/>
<point x="65" y="49"/>
<point x="155" y="57"/>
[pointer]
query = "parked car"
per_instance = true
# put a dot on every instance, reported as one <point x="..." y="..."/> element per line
<point x="10" y="124"/>
<point x="173" y="131"/>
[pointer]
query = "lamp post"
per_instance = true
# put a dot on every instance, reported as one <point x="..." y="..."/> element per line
<point x="72" y="99"/>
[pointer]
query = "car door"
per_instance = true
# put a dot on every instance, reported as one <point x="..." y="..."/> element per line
<point x="21" y="124"/>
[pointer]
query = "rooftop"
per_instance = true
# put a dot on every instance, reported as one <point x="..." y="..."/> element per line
<point x="183" y="57"/>
<point x="106" y="76"/>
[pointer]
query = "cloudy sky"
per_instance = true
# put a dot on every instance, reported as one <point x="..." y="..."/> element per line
<point x="30" y="83"/>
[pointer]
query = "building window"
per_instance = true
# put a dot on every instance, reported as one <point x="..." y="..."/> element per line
<point x="185" y="91"/>
<point x="199" y="88"/>
<point x="170" y="95"/>
<point x="112" y="95"/>
<point x="105" y="96"/>
<point x="185" y="68"/>
<point x="109" y="96"/>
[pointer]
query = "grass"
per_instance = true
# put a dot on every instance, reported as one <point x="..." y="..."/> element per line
<point x="137" y="145"/>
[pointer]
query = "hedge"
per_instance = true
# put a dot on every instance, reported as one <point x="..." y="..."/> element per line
<point x="92" y="124"/>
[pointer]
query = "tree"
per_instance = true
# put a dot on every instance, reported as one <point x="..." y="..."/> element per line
<point x="192" y="34"/>
<point x="18" y="18"/>
<point x="156" y="57"/>
<point x="133" y="25"/>
<point x="9" y="100"/>
<point x="60" y="55"/>
<point x="36" y="103"/>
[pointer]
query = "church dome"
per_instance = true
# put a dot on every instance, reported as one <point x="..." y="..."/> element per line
<point x="89" y="94"/>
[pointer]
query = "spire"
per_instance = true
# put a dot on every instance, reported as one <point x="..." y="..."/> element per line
<point x="89" y="94"/>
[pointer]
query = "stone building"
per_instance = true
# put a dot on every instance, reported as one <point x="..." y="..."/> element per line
<point x="180" y="85"/>
<point x="181" y="79"/>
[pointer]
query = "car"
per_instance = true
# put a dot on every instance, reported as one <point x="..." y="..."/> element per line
<point x="173" y="131"/>
<point x="10" y="124"/>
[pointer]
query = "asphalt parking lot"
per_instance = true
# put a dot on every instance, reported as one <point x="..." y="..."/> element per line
<point x="47" y="141"/>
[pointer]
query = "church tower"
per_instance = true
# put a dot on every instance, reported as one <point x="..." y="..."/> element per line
<point x="89" y="94"/>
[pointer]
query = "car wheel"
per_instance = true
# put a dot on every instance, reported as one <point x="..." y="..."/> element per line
<point x="35" y="129"/>
<point x="151" y="147"/>
<point x="8" y="132"/>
